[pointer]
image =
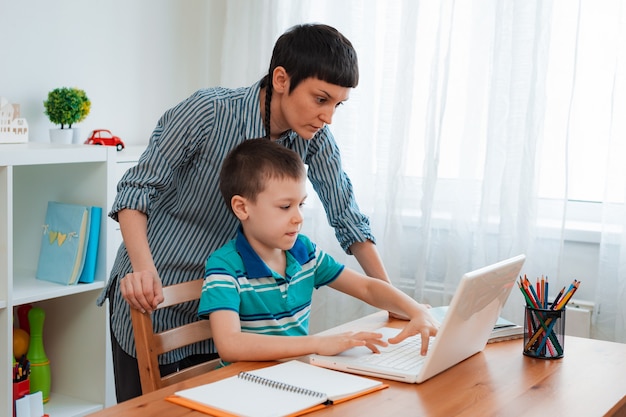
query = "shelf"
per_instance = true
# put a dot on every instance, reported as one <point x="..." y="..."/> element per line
<point x="28" y="289"/>
<point x="130" y="154"/>
<point x="63" y="405"/>
<point x="75" y="332"/>
<point x="34" y="153"/>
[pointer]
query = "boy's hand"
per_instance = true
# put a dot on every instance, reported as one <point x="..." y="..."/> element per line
<point x="334" y="344"/>
<point x="142" y="290"/>
<point x="423" y="324"/>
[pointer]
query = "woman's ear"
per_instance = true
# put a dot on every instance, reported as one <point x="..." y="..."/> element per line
<point x="239" y="206"/>
<point x="280" y="80"/>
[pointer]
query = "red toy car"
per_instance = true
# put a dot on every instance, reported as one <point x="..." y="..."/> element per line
<point x="104" y="137"/>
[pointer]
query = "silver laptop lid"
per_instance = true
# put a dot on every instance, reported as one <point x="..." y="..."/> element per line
<point x="473" y="311"/>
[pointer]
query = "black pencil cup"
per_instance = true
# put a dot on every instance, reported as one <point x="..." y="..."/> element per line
<point x="544" y="333"/>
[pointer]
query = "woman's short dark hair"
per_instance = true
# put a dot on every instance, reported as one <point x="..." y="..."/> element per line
<point x="312" y="50"/>
<point x="316" y="50"/>
<point x="248" y="166"/>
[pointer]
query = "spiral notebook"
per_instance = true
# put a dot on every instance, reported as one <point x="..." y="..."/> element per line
<point x="288" y="389"/>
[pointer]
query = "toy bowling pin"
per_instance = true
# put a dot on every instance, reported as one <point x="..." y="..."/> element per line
<point x="39" y="363"/>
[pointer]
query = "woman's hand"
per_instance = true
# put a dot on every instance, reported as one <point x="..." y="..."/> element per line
<point x="142" y="290"/>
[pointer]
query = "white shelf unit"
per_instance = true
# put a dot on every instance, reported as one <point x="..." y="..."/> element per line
<point x="76" y="338"/>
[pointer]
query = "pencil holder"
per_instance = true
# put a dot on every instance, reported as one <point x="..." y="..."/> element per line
<point x="544" y="333"/>
<point x="20" y="389"/>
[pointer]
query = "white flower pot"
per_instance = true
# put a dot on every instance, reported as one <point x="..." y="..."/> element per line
<point x="76" y="137"/>
<point x="61" y="135"/>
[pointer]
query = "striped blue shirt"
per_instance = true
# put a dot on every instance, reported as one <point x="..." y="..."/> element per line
<point x="237" y="279"/>
<point x="176" y="184"/>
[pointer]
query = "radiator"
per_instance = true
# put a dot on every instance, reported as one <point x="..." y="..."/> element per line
<point x="578" y="318"/>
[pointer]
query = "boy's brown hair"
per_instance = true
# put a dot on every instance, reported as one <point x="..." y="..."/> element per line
<point x="248" y="166"/>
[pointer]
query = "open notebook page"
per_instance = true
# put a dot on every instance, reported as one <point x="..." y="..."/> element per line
<point x="244" y="397"/>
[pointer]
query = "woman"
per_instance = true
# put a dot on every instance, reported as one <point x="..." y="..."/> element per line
<point x="169" y="207"/>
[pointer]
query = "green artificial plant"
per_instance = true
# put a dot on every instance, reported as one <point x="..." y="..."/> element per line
<point x="66" y="106"/>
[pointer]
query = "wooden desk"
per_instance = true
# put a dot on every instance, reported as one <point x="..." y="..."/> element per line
<point x="590" y="380"/>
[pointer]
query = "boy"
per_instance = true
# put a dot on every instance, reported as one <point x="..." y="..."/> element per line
<point x="258" y="287"/>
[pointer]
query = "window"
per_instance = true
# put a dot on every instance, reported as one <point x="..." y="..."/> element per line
<point x="586" y="65"/>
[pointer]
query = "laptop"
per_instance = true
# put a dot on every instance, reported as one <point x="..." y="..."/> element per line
<point x="464" y="331"/>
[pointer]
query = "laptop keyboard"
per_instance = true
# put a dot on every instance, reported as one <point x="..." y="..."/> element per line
<point x="401" y="356"/>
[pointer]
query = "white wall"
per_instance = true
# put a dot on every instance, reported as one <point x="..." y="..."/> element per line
<point x="134" y="59"/>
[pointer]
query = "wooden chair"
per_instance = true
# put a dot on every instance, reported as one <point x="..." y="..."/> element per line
<point x="150" y="345"/>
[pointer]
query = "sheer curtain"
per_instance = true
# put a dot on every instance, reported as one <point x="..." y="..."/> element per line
<point x="452" y="135"/>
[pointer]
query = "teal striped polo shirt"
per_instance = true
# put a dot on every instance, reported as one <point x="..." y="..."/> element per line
<point x="267" y="303"/>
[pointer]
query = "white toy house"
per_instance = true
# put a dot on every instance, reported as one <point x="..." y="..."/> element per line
<point x="13" y="128"/>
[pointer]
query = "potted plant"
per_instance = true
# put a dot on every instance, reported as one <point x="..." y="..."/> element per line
<point x="65" y="107"/>
<point x="85" y="108"/>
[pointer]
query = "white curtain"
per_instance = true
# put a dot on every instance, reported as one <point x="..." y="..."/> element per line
<point x="462" y="136"/>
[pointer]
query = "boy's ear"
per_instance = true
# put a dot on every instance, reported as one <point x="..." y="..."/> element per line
<point x="280" y="80"/>
<point x="238" y="205"/>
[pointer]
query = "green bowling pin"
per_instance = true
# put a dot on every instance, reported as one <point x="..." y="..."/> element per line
<point x="39" y="363"/>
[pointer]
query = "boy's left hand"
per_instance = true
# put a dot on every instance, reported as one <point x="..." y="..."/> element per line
<point x="336" y="343"/>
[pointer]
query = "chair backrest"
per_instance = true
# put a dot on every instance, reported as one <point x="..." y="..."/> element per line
<point x="150" y="345"/>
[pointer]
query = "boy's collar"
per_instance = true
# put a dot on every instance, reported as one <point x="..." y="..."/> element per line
<point x="254" y="265"/>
